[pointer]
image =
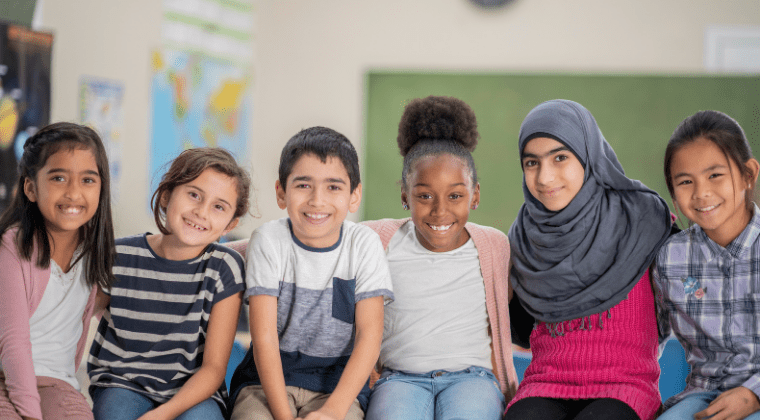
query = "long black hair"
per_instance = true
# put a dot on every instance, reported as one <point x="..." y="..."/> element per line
<point x="96" y="236"/>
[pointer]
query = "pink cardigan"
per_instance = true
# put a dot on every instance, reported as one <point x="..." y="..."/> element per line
<point x="22" y="285"/>
<point x="493" y="253"/>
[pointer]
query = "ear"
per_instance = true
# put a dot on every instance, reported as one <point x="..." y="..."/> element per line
<point x="30" y="190"/>
<point x="163" y="201"/>
<point x="356" y="199"/>
<point x="233" y="223"/>
<point x="754" y="168"/>
<point x="475" y="196"/>
<point x="280" y="193"/>
<point x="404" y="198"/>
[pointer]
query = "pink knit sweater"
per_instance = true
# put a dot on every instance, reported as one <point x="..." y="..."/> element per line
<point x="22" y="285"/>
<point x="493" y="253"/>
<point x="617" y="361"/>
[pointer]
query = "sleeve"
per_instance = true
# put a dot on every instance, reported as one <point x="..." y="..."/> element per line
<point x="660" y="298"/>
<point x="263" y="264"/>
<point x="231" y="274"/>
<point x="520" y="322"/>
<point x="15" y="341"/>
<point x="373" y="277"/>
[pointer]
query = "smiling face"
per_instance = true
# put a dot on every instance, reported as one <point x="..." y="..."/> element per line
<point x="198" y="213"/>
<point x="553" y="174"/>
<point x="710" y="191"/>
<point x="66" y="190"/>
<point x="440" y="195"/>
<point x="318" y="197"/>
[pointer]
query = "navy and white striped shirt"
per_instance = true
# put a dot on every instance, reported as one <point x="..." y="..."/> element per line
<point x="710" y="297"/>
<point x="151" y="338"/>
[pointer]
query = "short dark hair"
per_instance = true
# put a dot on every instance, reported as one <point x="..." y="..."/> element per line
<point x="188" y="166"/>
<point x="721" y="130"/>
<point x="437" y="125"/>
<point x="321" y="142"/>
<point x="96" y="236"/>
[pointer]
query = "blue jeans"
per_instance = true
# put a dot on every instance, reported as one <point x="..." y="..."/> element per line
<point x="472" y="393"/>
<point x="122" y="404"/>
<point x="693" y="404"/>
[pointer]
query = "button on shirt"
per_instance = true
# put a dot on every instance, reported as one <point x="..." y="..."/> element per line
<point x="710" y="297"/>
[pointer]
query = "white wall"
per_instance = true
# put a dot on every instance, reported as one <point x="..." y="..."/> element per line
<point x="312" y="57"/>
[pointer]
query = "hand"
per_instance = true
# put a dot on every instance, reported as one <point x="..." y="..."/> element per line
<point x="154" y="414"/>
<point x="734" y="404"/>
<point x="321" y="414"/>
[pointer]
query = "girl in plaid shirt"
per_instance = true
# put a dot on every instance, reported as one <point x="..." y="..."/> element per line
<point x="707" y="278"/>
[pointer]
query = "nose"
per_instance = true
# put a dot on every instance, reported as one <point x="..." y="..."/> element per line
<point x="701" y="189"/>
<point x="202" y="209"/>
<point x="438" y="207"/>
<point x="73" y="190"/>
<point x="545" y="174"/>
<point x="316" y="197"/>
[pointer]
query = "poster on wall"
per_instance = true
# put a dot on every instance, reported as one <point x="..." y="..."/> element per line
<point x="24" y="96"/>
<point x="100" y="107"/>
<point x="198" y="101"/>
<point x="201" y="80"/>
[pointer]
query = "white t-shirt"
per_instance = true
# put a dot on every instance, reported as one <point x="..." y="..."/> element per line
<point x="438" y="320"/>
<point x="56" y="325"/>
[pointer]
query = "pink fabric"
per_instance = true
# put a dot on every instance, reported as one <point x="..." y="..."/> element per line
<point x="493" y="252"/>
<point x="22" y="285"/>
<point x="59" y="401"/>
<point x="618" y="361"/>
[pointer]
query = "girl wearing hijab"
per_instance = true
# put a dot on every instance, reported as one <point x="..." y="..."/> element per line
<point x="582" y="246"/>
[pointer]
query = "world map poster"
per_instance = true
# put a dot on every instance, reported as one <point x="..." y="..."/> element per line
<point x="198" y="101"/>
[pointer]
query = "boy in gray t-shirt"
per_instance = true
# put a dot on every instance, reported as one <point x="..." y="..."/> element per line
<point x="316" y="287"/>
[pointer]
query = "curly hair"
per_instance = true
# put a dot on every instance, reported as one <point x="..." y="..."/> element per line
<point x="434" y="126"/>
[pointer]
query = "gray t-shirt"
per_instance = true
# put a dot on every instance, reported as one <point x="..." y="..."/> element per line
<point x="438" y="320"/>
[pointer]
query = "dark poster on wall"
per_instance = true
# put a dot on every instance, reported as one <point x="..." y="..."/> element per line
<point x="24" y="96"/>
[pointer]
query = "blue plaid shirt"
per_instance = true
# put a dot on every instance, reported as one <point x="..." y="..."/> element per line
<point x="710" y="297"/>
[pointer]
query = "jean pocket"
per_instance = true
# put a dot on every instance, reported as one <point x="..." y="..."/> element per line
<point x="344" y="299"/>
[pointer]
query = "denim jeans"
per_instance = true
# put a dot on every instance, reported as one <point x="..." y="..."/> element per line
<point x="472" y="393"/>
<point x="693" y="404"/>
<point x="122" y="404"/>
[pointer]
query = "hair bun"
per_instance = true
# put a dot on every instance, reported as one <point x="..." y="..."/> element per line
<point x="437" y="118"/>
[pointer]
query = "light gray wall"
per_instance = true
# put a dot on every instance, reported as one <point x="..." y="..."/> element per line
<point x="311" y="58"/>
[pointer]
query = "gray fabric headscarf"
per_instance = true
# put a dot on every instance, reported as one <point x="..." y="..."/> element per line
<point x="585" y="258"/>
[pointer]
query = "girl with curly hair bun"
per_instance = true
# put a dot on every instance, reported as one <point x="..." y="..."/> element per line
<point x="446" y="350"/>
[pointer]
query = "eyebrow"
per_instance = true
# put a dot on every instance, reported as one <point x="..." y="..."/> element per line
<point x="201" y="190"/>
<point x="420" y="184"/>
<point x="549" y="153"/>
<point x="308" y="178"/>
<point x="712" y="168"/>
<point x="66" y="171"/>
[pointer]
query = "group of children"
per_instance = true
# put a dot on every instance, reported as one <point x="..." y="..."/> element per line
<point x="598" y="278"/>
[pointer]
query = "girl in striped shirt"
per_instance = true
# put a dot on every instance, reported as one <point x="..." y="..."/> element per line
<point x="162" y="347"/>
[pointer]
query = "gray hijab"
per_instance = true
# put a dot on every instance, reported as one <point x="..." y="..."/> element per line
<point x="585" y="258"/>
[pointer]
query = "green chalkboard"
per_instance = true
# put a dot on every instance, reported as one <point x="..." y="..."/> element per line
<point x="637" y="115"/>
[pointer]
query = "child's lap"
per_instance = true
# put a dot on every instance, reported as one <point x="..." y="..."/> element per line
<point x="58" y="399"/>
<point x="694" y="403"/>
<point x="251" y="404"/>
<point x="114" y="403"/>
<point x="472" y="392"/>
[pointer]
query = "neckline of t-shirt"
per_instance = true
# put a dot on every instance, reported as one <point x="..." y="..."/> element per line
<point x="166" y="260"/>
<point x="311" y="248"/>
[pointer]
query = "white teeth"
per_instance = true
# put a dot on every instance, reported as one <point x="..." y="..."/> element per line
<point x="439" y="228"/>
<point x="70" y="209"/>
<point x="191" y="224"/>
<point x="703" y="209"/>
<point x="316" y="215"/>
